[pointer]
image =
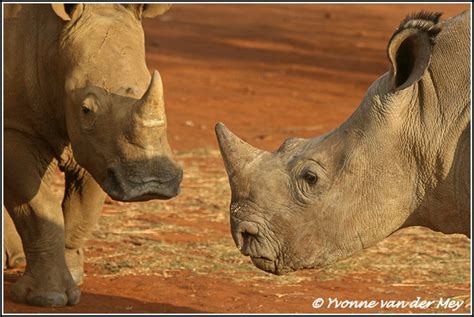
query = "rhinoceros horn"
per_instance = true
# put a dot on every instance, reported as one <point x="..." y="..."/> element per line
<point x="236" y="153"/>
<point x="150" y="109"/>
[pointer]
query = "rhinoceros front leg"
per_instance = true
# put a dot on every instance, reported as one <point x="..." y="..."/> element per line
<point x="13" y="250"/>
<point x="82" y="204"/>
<point x="38" y="216"/>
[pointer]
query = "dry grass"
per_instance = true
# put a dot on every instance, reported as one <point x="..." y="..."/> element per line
<point x="191" y="233"/>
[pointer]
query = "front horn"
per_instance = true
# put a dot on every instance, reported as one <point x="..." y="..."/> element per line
<point x="151" y="107"/>
<point x="235" y="152"/>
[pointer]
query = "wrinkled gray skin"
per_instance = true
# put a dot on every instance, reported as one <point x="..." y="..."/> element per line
<point x="401" y="159"/>
<point x="78" y="95"/>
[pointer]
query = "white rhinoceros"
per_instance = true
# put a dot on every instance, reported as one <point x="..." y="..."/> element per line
<point x="401" y="159"/>
<point x="78" y="95"/>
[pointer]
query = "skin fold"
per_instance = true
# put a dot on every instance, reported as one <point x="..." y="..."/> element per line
<point x="401" y="159"/>
<point x="78" y="96"/>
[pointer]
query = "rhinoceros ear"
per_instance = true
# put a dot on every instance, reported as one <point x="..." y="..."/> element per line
<point x="151" y="10"/>
<point x="410" y="48"/>
<point x="10" y="11"/>
<point x="67" y="11"/>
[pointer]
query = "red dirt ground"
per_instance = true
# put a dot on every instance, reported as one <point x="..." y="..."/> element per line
<point x="268" y="72"/>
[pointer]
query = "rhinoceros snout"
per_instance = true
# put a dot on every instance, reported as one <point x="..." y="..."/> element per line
<point x="122" y="187"/>
<point x="242" y="233"/>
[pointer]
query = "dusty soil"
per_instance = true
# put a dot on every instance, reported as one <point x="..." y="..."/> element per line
<point x="269" y="72"/>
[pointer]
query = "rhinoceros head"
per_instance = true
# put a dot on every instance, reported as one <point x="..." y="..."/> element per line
<point x="314" y="201"/>
<point x="115" y="115"/>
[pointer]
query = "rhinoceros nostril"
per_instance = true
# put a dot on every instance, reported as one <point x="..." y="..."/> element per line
<point x="245" y="232"/>
<point x="110" y="172"/>
<point x="251" y="228"/>
<point x="245" y="247"/>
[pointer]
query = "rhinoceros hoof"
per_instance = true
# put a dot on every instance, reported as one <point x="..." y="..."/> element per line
<point x="25" y="290"/>
<point x="75" y="264"/>
<point x="17" y="261"/>
<point x="14" y="259"/>
<point x="77" y="276"/>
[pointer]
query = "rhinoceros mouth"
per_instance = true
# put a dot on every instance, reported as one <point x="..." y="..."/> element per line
<point x="143" y="192"/>
<point x="127" y="190"/>
<point x="264" y="264"/>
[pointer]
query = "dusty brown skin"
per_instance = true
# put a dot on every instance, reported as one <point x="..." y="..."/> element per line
<point x="78" y="95"/>
<point x="401" y="159"/>
<point x="250" y="114"/>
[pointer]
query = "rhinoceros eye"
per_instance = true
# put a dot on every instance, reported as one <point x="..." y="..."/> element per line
<point x="310" y="177"/>
<point x="85" y="109"/>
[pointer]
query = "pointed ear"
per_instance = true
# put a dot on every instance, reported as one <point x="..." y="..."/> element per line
<point x="151" y="10"/>
<point x="410" y="48"/>
<point x="11" y="10"/>
<point x="67" y="11"/>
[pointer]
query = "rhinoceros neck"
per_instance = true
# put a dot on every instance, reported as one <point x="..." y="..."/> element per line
<point x="442" y="148"/>
<point x="33" y="79"/>
<point x="450" y="75"/>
